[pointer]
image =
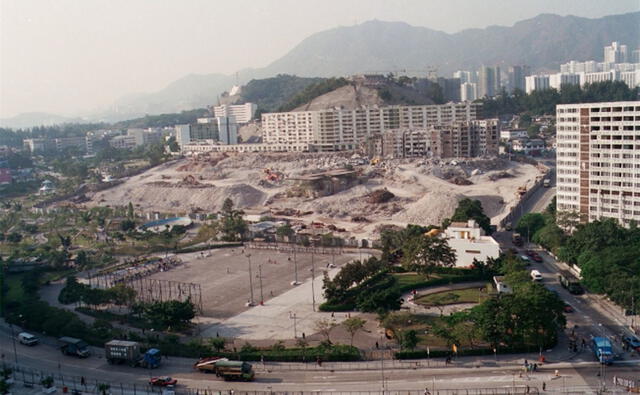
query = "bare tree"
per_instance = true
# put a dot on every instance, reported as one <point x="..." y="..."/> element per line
<point x="324" y="327"/>
<point x="353" y="325"/>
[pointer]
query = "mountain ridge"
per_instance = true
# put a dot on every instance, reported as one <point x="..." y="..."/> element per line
<point x="542" y="42"/>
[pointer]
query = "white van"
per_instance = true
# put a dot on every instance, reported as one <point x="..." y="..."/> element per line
<point x="27" y="339"/>
<point x="536" y="276"/>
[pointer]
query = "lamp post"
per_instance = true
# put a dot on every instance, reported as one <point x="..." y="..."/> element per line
<point x="251" y="301"/>
<point x="313" y="277"/>
<point x="260" y="275"/>
<point x="295" y="268"/>
<point x="292" y="316"/>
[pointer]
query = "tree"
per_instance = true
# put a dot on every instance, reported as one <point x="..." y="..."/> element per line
<point x="324" y="327"/>
<point x="14" y="237"/>
<point x="529" y="224"/>
<point x="472" y="209"/>
<point x="353" y="325"/>
<point x="217" y="343"/>
<point x="427" y="252"/>
<point x="227" y="206"/>
<point x="409" y="339"/>
<point x="285" y="231"/>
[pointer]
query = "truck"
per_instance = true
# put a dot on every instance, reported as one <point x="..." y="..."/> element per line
<point x="123" y="351"/>
<point x="234" y="370"/>
<point x="516" y="239"/>
<point x="72" y="346"/>
<point x="602" y="349"/>
<point x="570" y="282"/>
<point x="207" y="365"/>
<point x="546" y="183"/>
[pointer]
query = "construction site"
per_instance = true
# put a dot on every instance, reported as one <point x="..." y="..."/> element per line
<point x="342" y="191"/>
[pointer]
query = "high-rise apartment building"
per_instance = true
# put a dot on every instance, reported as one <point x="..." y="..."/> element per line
<point x="341" y="129"/>
<point x="461" y="139"/>
<point x="221" y="129"/>
<point x="468" y="91"/>
<point x="536" y="82"/>
<point x="517" y="76"/>
<point x="243" y="113"/>
<point x="488" y="81"/>
<point x="615" y="53"/>
<point x="598" y="160"/>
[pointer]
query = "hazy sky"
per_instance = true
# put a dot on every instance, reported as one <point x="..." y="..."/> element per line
<point x="69" y="56"/>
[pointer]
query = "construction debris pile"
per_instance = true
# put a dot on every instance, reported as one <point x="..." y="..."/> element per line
<point x="340" y="189"/>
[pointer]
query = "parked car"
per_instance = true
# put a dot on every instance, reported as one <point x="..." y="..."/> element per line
<point x="632" y="342"/>
<point x="27" y="339"/>
<point x="568" y="308"/>
<point x="536" y="257"/>
<point x="162" y="381"/>
<point x="525" y="259"/>
<point x="530" y="252"/>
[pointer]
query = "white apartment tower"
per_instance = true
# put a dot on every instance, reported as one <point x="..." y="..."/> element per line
<point x="598" y="160"/>
<point x="615" y="53"/>
<point x="342" y="129"/>
<point x="243" y="113"/>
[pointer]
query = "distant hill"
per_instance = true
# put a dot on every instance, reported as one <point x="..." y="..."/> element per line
<point x="270" y="94"/>
<point x="545" y="41"/>
<point x="542" y="42"/>
<point x="354" y="94"/>
<point x="30" y="119"/>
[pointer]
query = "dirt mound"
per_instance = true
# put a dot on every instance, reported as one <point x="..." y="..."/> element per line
<point x="458" y="180"/>
<point x="380" y="196"/>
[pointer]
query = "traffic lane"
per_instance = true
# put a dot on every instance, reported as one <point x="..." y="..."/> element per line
<point x="590" y="320"/>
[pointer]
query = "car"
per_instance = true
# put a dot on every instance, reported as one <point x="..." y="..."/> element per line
<point x="536" y="257"/>
<point x="27" y="339"/>
<point x="525" y="259"/>
<point x="162" y="381"/>
<point x="530" y="253"/>
<point x="632" y="342"/>
<point x="568" y="308"/>
<point x="536" y="276"/>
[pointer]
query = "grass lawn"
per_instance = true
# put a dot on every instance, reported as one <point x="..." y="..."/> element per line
<point x="467" y="295"/>
<point x="414" y="278"/>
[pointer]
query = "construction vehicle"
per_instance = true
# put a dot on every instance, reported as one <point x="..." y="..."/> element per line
<point x="207" y="365"/>
<point x="73" y="346"/>
<point x="122" y="351"/>
<point x="234" y="370"/>
<point x="602" y="349"/>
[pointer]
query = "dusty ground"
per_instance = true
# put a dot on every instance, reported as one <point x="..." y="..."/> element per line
<point x="424" y="193"/>
<point x="224" y="276"/>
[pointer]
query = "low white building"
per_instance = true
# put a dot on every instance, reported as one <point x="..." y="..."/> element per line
<point x="512" y="134"/>
<point x="469" y="242"/>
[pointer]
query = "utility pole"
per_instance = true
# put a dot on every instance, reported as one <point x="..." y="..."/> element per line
<point x="293" y="317"/>
<point x="251" y="301"/>
<point x="313" y="277"/>
<point x="260" y="274"/>
<point x="295" y="267"/>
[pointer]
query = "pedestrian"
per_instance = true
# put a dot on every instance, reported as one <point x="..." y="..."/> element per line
<point x="526" y="363"/>
<point x="332" y="315"/>
<point x="377" y="346"/>
<point x="82" y="381"/>
<point x="535" y="367"/>
<point x="544" y="386"/>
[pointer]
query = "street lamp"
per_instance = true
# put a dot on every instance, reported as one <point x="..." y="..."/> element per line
<point x="295" y="267"/>
<point x="292" y="316"/>
<point x="260" y="275"/>
<point x="251" y="301"/>
<point x="313" y="277"/>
